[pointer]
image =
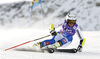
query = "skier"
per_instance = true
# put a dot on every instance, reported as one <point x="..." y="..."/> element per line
<point x="64" y="37"/>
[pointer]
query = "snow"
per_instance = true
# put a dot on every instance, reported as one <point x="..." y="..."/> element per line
<point x="11" y="1"/>
<point x="16" y="28"/>
<point x="18" y="14"/>
<point x="11" y="37"/>
<point x="36" y="55"/>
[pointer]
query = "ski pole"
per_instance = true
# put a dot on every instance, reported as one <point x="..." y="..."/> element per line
<point x="26" y="42"/>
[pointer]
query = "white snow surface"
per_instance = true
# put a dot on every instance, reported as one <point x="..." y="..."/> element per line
<point x="11" y="37"/>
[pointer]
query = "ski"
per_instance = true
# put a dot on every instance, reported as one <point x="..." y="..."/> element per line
<point x="51" y="50"/>
<point x="67" y="50"/>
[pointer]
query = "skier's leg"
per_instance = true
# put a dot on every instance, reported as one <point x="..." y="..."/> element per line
<point x="51" y="41"/>
<point x="48" y="42"/>
<point x="66" y="40"/>
<point x="55" y="42"/>
<point x="58" y="41"/>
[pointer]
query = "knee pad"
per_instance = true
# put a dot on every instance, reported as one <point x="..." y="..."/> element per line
<point x="63" y="41"/>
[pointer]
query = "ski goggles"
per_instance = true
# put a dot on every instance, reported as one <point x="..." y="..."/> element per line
<point x="72" y="21"/>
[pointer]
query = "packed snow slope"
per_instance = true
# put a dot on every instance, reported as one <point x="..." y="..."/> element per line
<point x="18" y="14"/>
<point x="12" y="37"/>
<point x="13" y="15"/>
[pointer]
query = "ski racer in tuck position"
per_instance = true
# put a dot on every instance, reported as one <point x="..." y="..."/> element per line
<point x="64" y="37"/>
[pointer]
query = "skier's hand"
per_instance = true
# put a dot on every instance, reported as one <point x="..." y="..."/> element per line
<point x="53" y="32"/>
<point x="79" y="48"/>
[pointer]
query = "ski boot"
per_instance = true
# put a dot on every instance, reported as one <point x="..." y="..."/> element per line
<point x="55" y="45"/>
<point x="37" y="45"/>
<point x="51" y="48"/>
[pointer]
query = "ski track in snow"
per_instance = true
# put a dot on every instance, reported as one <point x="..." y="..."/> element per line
<point x="38" y="55"/>
<point x="11" y="37"/>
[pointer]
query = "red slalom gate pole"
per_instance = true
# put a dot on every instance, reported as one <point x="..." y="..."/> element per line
<point x="26" y="43"/>
<point x="17" y="45"/>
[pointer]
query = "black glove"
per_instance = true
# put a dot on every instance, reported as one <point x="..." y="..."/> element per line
<point x="53" y="32"/>
<point x="79" y="48"/>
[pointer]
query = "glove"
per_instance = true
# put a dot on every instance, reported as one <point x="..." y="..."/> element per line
<point x="53" y="32"/>
<point x="82" y="42"/>
<point x="79" y="48"/>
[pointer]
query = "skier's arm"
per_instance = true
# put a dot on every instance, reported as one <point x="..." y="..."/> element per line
<point x="53" y="26"/>
<point x="59" y="24"/>
<point x="52" y="30"/>
<point x="82" y="39"/>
